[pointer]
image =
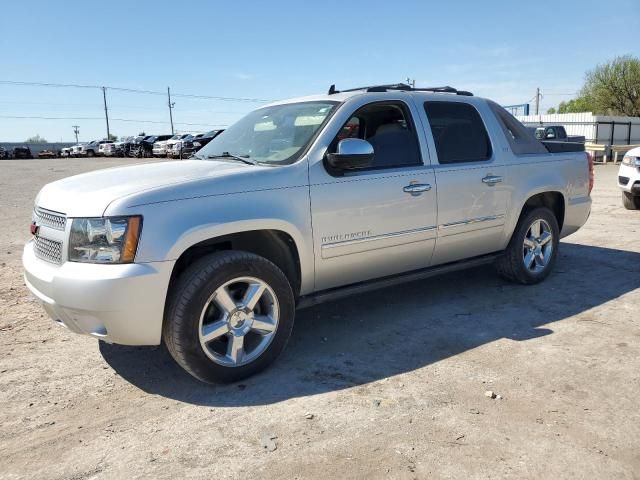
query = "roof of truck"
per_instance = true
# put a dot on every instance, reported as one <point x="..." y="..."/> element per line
<point x="341" y="96"/>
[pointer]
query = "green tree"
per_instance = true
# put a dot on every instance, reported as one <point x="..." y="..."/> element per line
<point x="112" y="137"/>
<point x="551" y="111"/>
<point x="36" y="139"/>
<point x="614" y="87"/>
<point x="577" y="105"/>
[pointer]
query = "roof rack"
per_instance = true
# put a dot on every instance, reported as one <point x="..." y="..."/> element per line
<point x="401" y="87"/>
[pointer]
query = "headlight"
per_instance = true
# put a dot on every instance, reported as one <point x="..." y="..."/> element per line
<point x="104" y="240"/>
<point x="631" y="161"/>
<point x="197" y="144"/>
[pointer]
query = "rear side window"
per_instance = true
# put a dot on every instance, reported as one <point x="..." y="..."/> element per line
<point x="522" y="141"/>
<point x="458" y="132"/>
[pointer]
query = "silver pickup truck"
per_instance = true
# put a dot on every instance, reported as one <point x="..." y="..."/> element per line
<point x="299" y="202"/>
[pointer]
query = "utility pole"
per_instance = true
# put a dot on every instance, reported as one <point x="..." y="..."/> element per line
<point x="538" y="96"/>
<point x="170" y="108"/>
<point x="106" y="114"/>
<point x="76" y="130"/>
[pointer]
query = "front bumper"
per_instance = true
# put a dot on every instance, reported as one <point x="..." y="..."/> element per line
<point x="633" y="175"/>
<point x="121" y="304"/>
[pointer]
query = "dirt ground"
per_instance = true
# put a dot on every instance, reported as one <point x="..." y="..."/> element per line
<point x="389" y="384"/>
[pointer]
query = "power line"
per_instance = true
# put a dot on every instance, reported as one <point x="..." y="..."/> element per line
<point x="133" y="90"/>
<point x="118" y="106"/>
<point x="38" y="117"/>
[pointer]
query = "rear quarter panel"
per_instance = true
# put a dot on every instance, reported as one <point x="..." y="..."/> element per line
<point x="566" y="173"/>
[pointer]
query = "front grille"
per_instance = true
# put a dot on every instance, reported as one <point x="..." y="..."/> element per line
<point x="48" y="250"/>
<point x="51" y="219"/>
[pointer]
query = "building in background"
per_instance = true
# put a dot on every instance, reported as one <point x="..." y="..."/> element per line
<point x="601" y="129"/>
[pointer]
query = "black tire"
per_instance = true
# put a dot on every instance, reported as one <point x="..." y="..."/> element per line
<point x="90" y="153"/>
<point x="630" y="202"/>
<point x="511" y="265"/>
<point x="191" y="292"/>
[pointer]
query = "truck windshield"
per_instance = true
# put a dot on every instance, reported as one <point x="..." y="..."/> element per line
<point x="271" y="135"/>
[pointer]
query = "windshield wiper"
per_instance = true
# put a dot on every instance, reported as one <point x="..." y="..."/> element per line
<point x="243" y="159"/>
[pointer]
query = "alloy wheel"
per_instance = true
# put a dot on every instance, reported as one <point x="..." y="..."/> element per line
<point x="238" y="321"/>
<point x="538" y="246"/>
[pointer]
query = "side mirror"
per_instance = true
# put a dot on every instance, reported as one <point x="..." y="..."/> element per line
<point x="351" y="154"/>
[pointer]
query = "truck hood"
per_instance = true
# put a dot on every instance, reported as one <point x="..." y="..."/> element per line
<point x="89" y="194"/>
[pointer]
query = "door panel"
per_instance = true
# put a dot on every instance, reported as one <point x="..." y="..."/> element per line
<point x="471" y="213"/>
<point x="470" y="174"/>
<point x="367" y="226"/>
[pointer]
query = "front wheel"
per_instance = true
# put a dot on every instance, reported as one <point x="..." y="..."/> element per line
<point x="229" y="316"/>
<point x="630" y="202"/>
<point x="532" y="251"/>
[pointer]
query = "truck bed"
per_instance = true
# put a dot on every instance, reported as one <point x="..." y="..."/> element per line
<point x="560" y="147"/>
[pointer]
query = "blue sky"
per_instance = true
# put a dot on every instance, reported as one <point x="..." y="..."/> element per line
<point x="268" y="50"/>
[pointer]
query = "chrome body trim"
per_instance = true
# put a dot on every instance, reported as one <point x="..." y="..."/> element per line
<point x="377" y="237"/>
<point x="471" y="221"/>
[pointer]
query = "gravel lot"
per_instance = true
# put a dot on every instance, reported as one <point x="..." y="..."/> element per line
<point x="385" y="385"/>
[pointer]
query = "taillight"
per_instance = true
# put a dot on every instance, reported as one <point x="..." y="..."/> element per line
<point x="591" y="172"/>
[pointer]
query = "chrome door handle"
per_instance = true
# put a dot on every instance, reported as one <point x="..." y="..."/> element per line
<point x="417" y="188"/>
<point x="491" y="179"/>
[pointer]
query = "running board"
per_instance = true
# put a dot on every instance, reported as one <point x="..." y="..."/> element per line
<point x="362" y="287"/>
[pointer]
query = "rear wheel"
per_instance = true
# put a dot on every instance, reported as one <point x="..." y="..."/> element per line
<point x="228" y="316"/>
<point x="90" y="153"/>
<point x="630" y="202"/>
<point x="532" y="251"/>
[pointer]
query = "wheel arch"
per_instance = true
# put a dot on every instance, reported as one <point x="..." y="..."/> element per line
<point x="276" y="245"/>
<point x="554" y="200"/>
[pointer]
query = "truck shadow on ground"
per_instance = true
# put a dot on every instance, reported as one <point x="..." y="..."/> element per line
<point x="389" y="332"/>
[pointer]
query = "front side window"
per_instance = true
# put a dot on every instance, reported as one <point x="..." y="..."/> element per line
<point x="275" y="135"/>
<point x="387" y="126"/>
<point x="458" y="132"/>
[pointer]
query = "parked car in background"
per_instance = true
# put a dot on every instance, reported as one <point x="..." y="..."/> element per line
<point x="171" y="143"/>
<point x="557" y="133"/>
<point x="192" y="146"/>
<point x="134" y="146"/>
<point x="102" y="145"/>
<point x="212" y="256"/>
<point x="111" y="149"/>
<point x="92" y="149"/>
<point x="160" y="147"/>
<point x="65" y="152"/>
<point x="21" y="152"/>
<point x="629" y="179"/>
<point x="144" y="147"/>
<point x="177" y="150"/>
<point x="75" y="150"/>
<point x="46" y="154"/>
<point x="124" y="146"/>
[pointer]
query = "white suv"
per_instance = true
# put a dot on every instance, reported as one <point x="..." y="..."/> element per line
<point x="629" y="179"/>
